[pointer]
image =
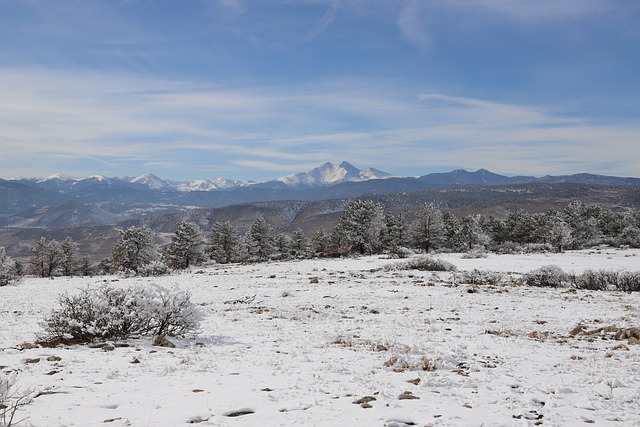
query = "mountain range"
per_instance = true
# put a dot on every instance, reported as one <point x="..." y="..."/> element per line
<point x="62" y="201"/>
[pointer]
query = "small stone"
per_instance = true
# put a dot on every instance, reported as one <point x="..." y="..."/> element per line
<point x="31" y="361"/>
<point x="405" y="396"/>
<point x="365" y="399"/>
<point x="414" y="381"/>
<point x="633" y="341"/>
<point x="162" y="341"/>
<point x="108" y="347"/>
<point x="366" y="406"/>
<point x="54" y="359"/>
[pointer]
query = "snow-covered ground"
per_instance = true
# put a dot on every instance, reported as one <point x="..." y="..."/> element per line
<point x="277" y="349"/>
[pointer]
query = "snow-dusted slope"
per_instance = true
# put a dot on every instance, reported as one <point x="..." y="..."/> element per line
<point x="331" y="174"/>
<point x="152" y="181"/>
<point x="210" y="184"/>
<point x="276" y="348"/>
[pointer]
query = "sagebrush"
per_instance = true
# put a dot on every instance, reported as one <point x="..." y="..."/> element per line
<point x="110" y="312"/>
<point x="423" y="263"/>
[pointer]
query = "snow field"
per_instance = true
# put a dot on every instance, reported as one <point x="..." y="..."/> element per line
<point x="277" y="349"/>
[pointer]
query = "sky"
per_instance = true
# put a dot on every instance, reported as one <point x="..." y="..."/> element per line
<point x="258" y="89"/>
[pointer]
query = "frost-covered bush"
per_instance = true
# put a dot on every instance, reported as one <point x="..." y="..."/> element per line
<point x="118" y="313"/>
<point x="479" y="277"/>
<point x="423" y="263"/>
<point x="549" y="276"/>
<point x="629" y="281"/>
<point x="600" y="280"/>
<point x="8" y="271"/>
<point x="154" y="268"/>
<point x="475" y="253"/>
<point x="11" y="400"/>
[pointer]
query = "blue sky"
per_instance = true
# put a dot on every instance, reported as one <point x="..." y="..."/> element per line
<point x="257" y="89"/>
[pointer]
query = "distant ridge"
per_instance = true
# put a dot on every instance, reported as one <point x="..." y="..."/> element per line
<point x="64" y="201"/>
<point x="326" y="175"/>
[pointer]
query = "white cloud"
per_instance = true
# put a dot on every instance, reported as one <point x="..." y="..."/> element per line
<point x="411" y="25"/>
<point x="71" y="122"/>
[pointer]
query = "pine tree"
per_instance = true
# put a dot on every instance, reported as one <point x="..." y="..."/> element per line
<point x="258" y="242"/>
<point x="46" y="258"/>
<point x="560" y="234"/>
<point x="8" y="271"/>
<point x="319" y="242"/>
<point x="359" y="229"/>
<point x="186" y="247"/>
<point x="427" y="229"/>
<point x="69" y="262"/>
<point x="281" y="246"/>
<point x="223" y="243"/>
<point x="394" y="234"/>
<point x="299" y="245"/>
<point x="134" y="249"/>
<point x="472" y="232"/>
<point x="85" y="266"/>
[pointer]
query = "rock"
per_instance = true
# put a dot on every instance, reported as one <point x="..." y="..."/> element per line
<point x="314" y="280"/>
<point x="633" y="341"/>
<point x="54" y="359"/>
<point x="405" y="396"/>
<point x="162" y="341"/>
<point x="415" y="381"/>
<point x="31" y="361"/>
<point x="364" y="400"/>
<point x="108" y="347"/>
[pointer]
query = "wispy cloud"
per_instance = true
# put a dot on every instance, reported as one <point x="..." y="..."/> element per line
<point x="86" y="123"/>
<point x="325" y="21"/>
<point x="411" y="25"/>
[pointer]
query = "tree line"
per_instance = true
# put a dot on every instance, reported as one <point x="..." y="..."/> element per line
<point x="363" y="229"/>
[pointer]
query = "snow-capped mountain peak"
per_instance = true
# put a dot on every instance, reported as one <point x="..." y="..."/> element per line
<point x="329" y="174"/>
<point x="151" y="181"/>
<point x="59" y="177"/>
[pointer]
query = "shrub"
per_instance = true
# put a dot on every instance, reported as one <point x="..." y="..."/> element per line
<point x="629" y="281"/>
<point x="597" y="280"/>
<point x="8" y="269"/>
<point x="423" y="263"/>
<point x="118" y="313"/>
<point x="475" y="253"/>
<point x="11" y="400"/>
<point x="549" y="276"/>
<point x="479" y="277"/>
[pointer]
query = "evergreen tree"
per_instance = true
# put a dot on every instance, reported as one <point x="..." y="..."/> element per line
<point x="258" y="241"/>
<point x="86" y="266"/>
<point x="319" y="242"/>
<point x="359" y="228"/>
<point x="68" y="264"/>
<point x="560" y="234"/>
<point x="223" y="243"/>
<point x="394" y="234"/>
<point x="472" y="232"/>
<point x="281" y="246"/>
<point x="299" y="245"/>
<point x="427" y="229"/>
<point x="46" y="258"/>
<point x="583" y="221"/>
<point x="186" y="247"/>
<point x="452" y="232"/>
<point x="8" y="271"/>
<point x="135" y="249"/>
